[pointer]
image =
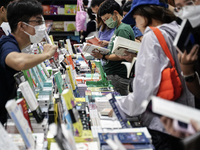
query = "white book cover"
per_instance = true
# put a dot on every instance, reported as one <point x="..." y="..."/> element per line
<point x="21" y="123"/>
<point x="174" y="110"/>
<point x="88" y="48"/>
<point x="6" y="142"/>
<point x="122" y="44"/>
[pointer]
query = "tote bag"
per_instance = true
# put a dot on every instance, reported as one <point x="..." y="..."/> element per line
<point x="81" y="16"/>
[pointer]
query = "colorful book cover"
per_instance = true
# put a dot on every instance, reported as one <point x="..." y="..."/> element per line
<point x="37" y="77"/>
<point x="74" y="39"/>
<point x="70" y="9"/>
<point x="69" y="26"/>
<point x="46" y="9"/>
<point x="58" y="26"/>
<point x="86" y="137"/>
<point x="57" y="10"/>
<point x="118" y="112"/>
<point x="69" y="72"/>
<point x="41" y="73"/>
<point x="28" y="77"/>
<point x="48" y="24"/>
<point x="59" y="82"/>
<point x="71" y="106"/>
<point x="23" y="106"/>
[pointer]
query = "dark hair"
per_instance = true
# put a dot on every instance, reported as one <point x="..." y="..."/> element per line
<point x="5" y="3"/>
<point x="127" y="6"/>
<point x="108" y="7"/>
<point x="85" y="2"/>
<point x="96" y="2"/>
<point x="22" y="10"/>
<point x="164" y="15"/>
<point x="90" y="14"/>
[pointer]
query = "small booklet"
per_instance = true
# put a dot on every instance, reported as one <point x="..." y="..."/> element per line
<point x="122" y="44"/>
<point x="185" y="38"/>
<point x="92" y="40"/>
<point x="129" y="67"/>
<point x="88" y="48"/>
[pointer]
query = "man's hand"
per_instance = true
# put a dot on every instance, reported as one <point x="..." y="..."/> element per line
<point x="103" y="43"/>
<point x="49" y="50"/>
<point x="97" y="55"/>
<point x="129" y="56"/>
<point x="188" y="61"/>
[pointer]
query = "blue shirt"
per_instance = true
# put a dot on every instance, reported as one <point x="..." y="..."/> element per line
<point x="106" y="34"/>
<point x="137" y="32"/>
<point x="8" y="88"/>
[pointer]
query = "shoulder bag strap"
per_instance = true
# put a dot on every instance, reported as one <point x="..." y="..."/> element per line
<point x="163" y="44"/>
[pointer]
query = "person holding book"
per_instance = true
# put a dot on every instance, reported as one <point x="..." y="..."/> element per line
<point x="27" y="26"/>
<point x="110" y="12"/>
<point x="3" y="17"/>
<point x="151" y="61"/>
<point x="189" y="62"/>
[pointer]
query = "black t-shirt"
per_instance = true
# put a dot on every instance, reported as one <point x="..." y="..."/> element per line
<point x="1" y="32"/>
<point x="8" y="88"/>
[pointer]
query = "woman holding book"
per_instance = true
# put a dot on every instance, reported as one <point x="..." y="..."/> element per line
<point x="151" y="61"/>
<point x="111" y="14"/>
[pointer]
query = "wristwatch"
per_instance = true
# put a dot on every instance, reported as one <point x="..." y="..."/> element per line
<point x="189" y="78"/>
<point x="104" y="57"/>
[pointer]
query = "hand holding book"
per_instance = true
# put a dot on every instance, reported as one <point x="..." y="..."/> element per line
<point x="129" y="56"/>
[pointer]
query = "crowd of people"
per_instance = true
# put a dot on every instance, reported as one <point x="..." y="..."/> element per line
<point x="134" y="21"/>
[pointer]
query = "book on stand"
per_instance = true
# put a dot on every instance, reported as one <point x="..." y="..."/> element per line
<point x="122" y="44"/>
<point x="21" y="123"/>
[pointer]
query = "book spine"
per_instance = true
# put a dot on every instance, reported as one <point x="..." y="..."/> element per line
<point x="24" y="108"/>
<point x="20" y="123"/>
<point x="119" y="117"/>
<point x="41" y="73"/>
<point x="37" y="77"/>
<point x="70" y="77"/>
<point x="59" y="82"/>
<point x="31" y="100"/>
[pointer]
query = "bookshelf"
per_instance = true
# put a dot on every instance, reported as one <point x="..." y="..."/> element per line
<point x="60" y="35"/>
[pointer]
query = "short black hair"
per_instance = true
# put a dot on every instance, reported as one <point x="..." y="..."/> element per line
<point x="22" y="10"/>
<point x="96" y="2"/>
<point x="5" y="3"/>
<point x="127" y="6"/>
<point x="90" y="14"/>
<point x="85" y="2"/>
<point x="108" y="7"/>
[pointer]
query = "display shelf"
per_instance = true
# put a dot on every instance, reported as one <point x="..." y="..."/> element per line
<point x="60" y="17"/>
<point x="57" y="2"/>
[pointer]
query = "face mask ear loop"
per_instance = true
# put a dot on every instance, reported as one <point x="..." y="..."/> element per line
<point x="30" y="26"/>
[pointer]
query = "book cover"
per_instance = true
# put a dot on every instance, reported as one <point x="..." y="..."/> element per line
<point x="88" y="48"/>
<point x="74" y="39"/>
<point x="21" y="123"/>
<point x="122" y="44"/>
<point x="46" y="9"/>
<point x="28" y="77"/>
<point x="118" y="112"/>
<point x="69" y="26"/>
<point x="70" y="9"/>
<point x="58" y="26"/>
<point x="41" y="73"/>
<point x="69" y="72"/>
<point x="86" y="137"/>
<point x="93" y="40"/>
<point x="71" y="106"/>
<point x="59" y="82"/>
<point x="125" y="138"/>
<point x="131" y="147"/>
<point x="6" y="142"/>
<point x="23" y="107"/>
<point x="53" y="9"/>
<point x="37" y="77"/>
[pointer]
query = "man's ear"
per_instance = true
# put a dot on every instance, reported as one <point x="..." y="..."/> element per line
<point x="20" y="26"/>
<point x="2" y="9"/>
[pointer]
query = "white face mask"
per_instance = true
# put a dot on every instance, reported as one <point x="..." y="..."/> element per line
<point x="39" y="33"/>
<point x="192" y="13"/>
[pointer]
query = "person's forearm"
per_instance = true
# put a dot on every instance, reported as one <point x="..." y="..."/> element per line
<point x="194" y="87"/>
<point x="113" y="57"/>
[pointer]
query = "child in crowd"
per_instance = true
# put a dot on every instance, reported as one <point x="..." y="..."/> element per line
<point x="111" y="13"/>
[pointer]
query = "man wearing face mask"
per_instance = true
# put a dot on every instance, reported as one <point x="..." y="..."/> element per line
<point x="115" y="71"/>
<point x="27" y="26"/>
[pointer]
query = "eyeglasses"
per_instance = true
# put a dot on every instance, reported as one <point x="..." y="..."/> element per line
<point x="37" y="21"/>
<point x="179" y="9"/>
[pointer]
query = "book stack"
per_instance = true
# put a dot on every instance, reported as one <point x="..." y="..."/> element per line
<point x="40" y="127"/>
<point x="132" y="141"/>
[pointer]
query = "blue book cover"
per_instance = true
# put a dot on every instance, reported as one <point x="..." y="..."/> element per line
<point x="37" y="77"/>
<point x="135" y="138"/>
<point x="41" y="73"/>
<point x="121" y="116"/>
<point x="132" y="147"/>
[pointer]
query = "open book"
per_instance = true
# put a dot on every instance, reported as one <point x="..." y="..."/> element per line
<point x="88" y="48"/>
<point x="92" y="40"/>
<point x="121" y="44"/>
<point x="129" y="67"/>
<point x="173" y="110"/>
